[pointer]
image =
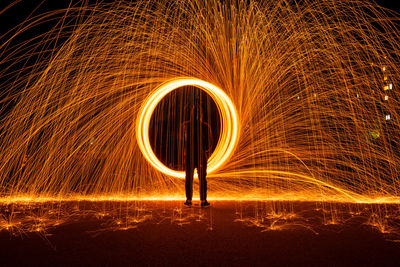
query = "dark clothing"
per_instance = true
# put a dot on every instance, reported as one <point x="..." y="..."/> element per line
<point x="197" y="143"/>
<point x="201" y="166"/>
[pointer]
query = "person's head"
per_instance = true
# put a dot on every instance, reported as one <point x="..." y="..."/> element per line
<point x="196" y="114"/>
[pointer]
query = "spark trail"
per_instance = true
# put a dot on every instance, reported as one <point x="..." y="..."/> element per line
<point x="313" y="84"/>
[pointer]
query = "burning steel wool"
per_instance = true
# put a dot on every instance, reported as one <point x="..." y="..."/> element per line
<point x="305" y="97"/>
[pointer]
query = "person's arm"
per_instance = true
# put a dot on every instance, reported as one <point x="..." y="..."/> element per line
<point x="182" y="132"/>
<point x="210" y="140"/>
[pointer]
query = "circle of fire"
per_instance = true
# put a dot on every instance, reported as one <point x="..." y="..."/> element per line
<point x="229" y="124"/>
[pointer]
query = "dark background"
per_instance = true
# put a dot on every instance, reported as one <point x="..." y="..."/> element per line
<point x="22" y="9"/>
<point x="13" y="13"/>
<point x="168" y="117"/>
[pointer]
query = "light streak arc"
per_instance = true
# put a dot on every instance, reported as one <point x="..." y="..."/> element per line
<point x="314" y="85"/>
<point x="229" y="124"/>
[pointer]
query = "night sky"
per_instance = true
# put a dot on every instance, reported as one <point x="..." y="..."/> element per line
<point x="24" y="8"/>
<point x="235" y="233"/>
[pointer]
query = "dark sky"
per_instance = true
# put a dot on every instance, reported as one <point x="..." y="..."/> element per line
<point x="392" y="4"/>
<point x="23" y="8"/>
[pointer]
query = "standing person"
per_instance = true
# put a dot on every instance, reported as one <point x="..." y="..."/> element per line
<point x="198" y="143"/>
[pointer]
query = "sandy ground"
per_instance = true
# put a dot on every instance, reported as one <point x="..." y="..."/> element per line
<point x="228" y="233"/>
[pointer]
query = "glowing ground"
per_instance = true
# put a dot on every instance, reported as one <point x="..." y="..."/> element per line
<point x="165" y="232"/>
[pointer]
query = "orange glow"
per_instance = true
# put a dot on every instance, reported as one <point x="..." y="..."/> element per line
<point x="229" y="133"/>
<point x="299" y="89"/>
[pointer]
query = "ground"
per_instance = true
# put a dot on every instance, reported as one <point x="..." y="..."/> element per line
<point x="229" y="233"/>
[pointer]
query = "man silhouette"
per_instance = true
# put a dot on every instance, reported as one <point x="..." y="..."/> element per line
<point x="197" y="137"/>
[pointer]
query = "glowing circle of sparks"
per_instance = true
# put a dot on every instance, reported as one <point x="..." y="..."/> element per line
<point x="229" y="124"/>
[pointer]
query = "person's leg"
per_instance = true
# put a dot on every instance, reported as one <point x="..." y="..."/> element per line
<point x="189" y="180"/>
<point x="202" y="172"/>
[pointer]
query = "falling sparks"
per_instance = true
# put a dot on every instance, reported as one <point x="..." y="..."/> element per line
<point x="299" y="86"/>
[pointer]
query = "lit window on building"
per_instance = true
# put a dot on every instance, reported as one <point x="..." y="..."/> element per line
<point x="386" y="97"/>
<point x="387" y="117"/>
<point x="388" y="87"/>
